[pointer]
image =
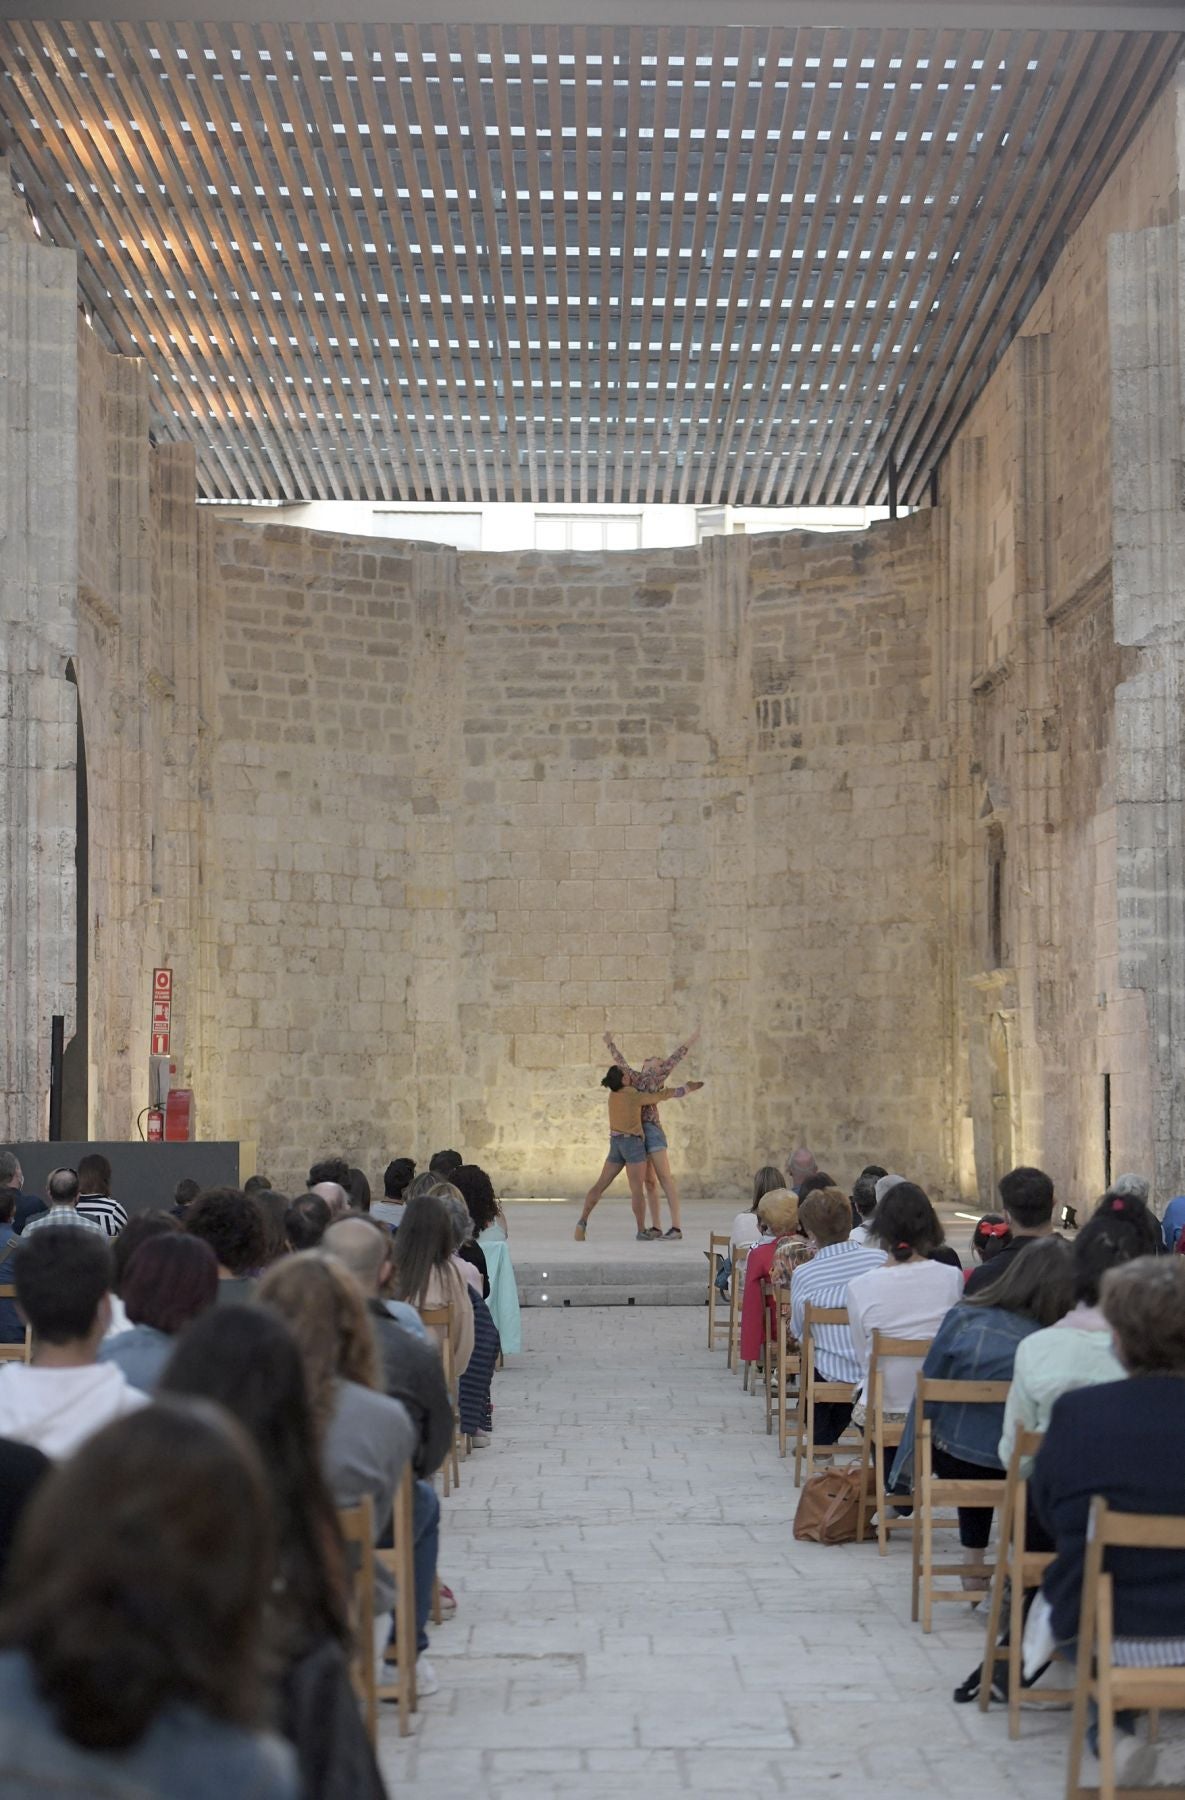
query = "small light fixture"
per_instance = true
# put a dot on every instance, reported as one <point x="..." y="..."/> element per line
<point x="1069" y="1219"/>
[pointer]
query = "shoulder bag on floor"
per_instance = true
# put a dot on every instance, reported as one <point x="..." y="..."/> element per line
<point x="829" y="1506"/>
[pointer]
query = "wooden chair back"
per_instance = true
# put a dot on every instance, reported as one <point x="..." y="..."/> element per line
<point x="815" y="1392"/>
<point x="21" y="1351"/>
<point x="740" y="1257"/>
<point x="439" y="1321"/>
<point x="399" y="1671"/>
<point x="718" y="1243"/>
<point x="932" y="1492"/>
<point x="357" y="1529"/>
<point x="787" y="1365"/>
<point x="1018" y="1570"/>
<point x="881" y="1434"/>
<point x="1116" y="1689"/>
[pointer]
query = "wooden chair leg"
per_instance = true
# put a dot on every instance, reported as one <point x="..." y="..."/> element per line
<point x="995" y="1613"/>
<point x="711" y="1302"/>
<point x="862" y="1517"/>
<point x="437" y="1608"/>
<point x="916" y="1573"/>
<point x="800" y="1421"/>
<point x="927" y="1559"/>
<point x="783" y="1377"/>
<point x="1016" y="1625"/>
<point x="1078" y="1729"/>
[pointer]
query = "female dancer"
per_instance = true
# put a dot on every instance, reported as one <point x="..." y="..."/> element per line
<point x="627" y="1143"/>
<point x="649" y="1078"/>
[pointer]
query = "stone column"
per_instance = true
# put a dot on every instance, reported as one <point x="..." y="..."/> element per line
<point x="38" y="625"/>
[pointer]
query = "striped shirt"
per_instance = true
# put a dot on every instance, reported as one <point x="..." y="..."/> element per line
<point x="824" y="1282"/>
<point x="61" y="1215"/>
<point x="105" y="1212"/>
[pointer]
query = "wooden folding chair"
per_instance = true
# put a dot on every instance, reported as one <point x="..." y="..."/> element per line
<point x="814" y="1392"/>
<point x="1021" y="1569"/>
<point x="769" y="1332"/>
<point x="438" y="1319"/>
<point x="400" y="1560"/>
<point x="357" y="1529"/>
<point x="718" y="1243"/>
<point x="881" y="1434"/>
<point x="787" y="1363"/>
<point x="21" y="1351"/>
<point x="740" y="1257"/>
<point x="931" y="1492"/>
<point x="1115" y="1688"/>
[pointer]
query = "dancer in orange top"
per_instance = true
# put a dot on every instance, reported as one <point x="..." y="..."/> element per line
<point x="627" y="1142"/>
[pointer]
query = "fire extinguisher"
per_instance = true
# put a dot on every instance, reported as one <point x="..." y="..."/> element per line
<point x="156" y="1125"/>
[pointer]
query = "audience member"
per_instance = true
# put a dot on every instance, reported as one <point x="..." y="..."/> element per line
<point x="412" y="1374"/>
<point x="139" y="1228"/>
<point x="801" y="1164"/>
<point x="397" y="1178"/>
<point x="826" y="1217"/>
<point x="1172" y="1223"/>
<point x="367" y="1438"/>
<point x="477" y="1191"/>
<point x="131" y="1629"/>
<point x="745" y="1230"/>
<point x="306" y="1221"/>
<point x="94" y="1195"/>
<point x="335" y="1197"/>
<point x="28" y="1206"/>
<point x="977" y="1341"/>
<point x="334" y="1169"/>
<point x="12" y="1326"/>
<point x="1123" y="1441"/>
<point x="62" y="1192"/>
<point x="473" y="1387"/>
<point x="907" y="1297"/>
<point x="246" y="1359"/>
<point x="170" y="1280"/>
<point x="863" y="1199"/>
<point x="818" y="1183"/>
<point x="777" y="1217"/>
<point x="184" y="1194"/>
<point x="257" y="1184"/>
<point x="56" y="1401"/>
<point x="232" y="1225"/>
<point x="424" y="1183"/>
<point x="273" y="1210"/>
<point x="1027" y="1198"/>
<point x="445" y="1164"/>
<point x="1129" y="1187"/>
<point x="469" y="1255"/>
<point x="1077" y="1351"/>
<point x="358" y="1189"/>
<point x="992" y="1234"/>
<point x="426" y="1276"/>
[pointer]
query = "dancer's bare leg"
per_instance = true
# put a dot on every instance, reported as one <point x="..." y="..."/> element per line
<point x="605" y="1180"/>
<point x="650" y="1183"/>
<point x="637" y="1194"/>
<point x="662" y="1168"/>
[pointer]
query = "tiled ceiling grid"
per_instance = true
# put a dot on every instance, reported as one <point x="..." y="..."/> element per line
<point x="565" y="264"/>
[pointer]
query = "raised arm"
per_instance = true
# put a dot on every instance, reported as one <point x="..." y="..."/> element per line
<point x="662" y="1069"/>
<point x="615" y="1053"/>
<point x="677" y="1093"/>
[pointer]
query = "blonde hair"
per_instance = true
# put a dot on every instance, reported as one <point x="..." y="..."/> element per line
<point x="326" y="1312"/>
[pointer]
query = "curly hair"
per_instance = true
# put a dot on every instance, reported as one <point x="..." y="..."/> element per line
<point x="325" y="1310"/>
<point x="477" y="1191"/>
<point x="233" y="1227"/>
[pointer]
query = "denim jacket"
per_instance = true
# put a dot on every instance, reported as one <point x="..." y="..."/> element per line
<point x="973" y="1343"/>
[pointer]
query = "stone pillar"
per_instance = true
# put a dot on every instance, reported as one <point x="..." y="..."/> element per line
<point x="38" y="625"/>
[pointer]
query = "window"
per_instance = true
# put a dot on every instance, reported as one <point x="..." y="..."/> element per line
<point x="458" y="530"/>
<point x="588" y="531"/>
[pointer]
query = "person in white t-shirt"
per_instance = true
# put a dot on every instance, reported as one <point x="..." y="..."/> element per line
<point x="63" y="1280"/>
<point x="907" y="1297"/>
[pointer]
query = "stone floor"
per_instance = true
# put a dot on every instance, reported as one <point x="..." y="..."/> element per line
<point x="635" y="1617"/>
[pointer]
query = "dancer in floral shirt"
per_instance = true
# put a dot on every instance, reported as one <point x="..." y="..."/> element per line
<point x="649" y="1079"/>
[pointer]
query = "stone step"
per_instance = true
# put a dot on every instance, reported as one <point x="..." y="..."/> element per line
<point x="640" y="1281"/>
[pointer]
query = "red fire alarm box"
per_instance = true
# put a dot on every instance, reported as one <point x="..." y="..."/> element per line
<point x="180" y="1116"/>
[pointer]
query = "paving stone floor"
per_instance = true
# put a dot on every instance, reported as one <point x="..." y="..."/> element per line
<point x="635" y="1617"/>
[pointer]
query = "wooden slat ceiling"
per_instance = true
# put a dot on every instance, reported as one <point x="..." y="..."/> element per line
<point x="565" y="263"/>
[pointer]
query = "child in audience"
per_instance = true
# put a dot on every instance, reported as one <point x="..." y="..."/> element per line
<point x="132" y="1622"/>
<point x="246" y="1359"/>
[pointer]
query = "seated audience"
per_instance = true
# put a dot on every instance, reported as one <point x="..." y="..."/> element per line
<point x="61" y="1190"/>
<point x="397" y="1178"/>
<point x="246" y="1359"/>
<point x="425" y="1274"/>
<point x="826" y="1217"/>
<point x="992" y="1234"/>
<point x="1078" y="1351"/>
<point x="864" y="1202"/>
<point x="12" y="1176"/>
<point x="333" y="1169"/>
<point x="131" y="1628"/>
<point x="184" y="1194"/>
<point x="55" y="1402"/>
<point x="1124" y="1441"/>
<point x="358" y="1188"/>
<point x="139" y="1228"/>
<point x="745" y="1230"/>
<point x="232" y="1225"/>
<point x="94" y="1195"/>
<point x="489" y="1222"/>
<point x="273" y="1211"/>
<point x="21" y="1470"/>
<point x="170" y="1280"/>
<point x="977" y="1341"/>
<point x="777" y="1215"/>
<point x="1173" y="1222"/>
<point x="1027" y="1198"/>
<point x="445" y="1164"/>
<point x="367" y="1438"/>
<point x="473" y="1388"/>
<point x="257" y="1184"/>
<point x="477" y="1191"/>
<point x="801" y="1165"/>
<point x="468" y="1256"/>
<point x="12" y="1326"/>
<point x="907" y="1297"/>
<point x="306" y="1221"/>
<point x="412" y="1374"/>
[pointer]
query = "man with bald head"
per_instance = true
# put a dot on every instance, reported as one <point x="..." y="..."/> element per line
<point x="334" y="1196"/>
<point x="412" y="1372"/>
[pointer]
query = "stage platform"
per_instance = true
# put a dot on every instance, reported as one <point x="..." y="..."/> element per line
<point x="611" y="1268"/>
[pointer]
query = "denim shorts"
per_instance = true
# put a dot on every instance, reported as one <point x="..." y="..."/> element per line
<point x="624" y="1147"/>
<point x="656" y="1137"/>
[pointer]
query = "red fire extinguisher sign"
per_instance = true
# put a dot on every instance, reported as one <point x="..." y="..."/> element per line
<point x="162" y="1011"/>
